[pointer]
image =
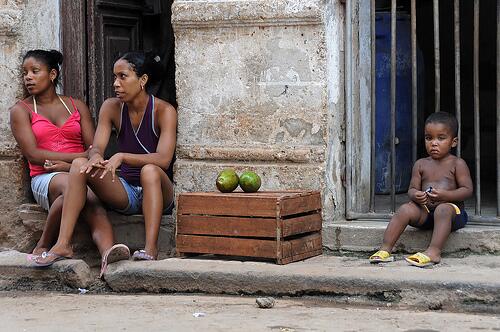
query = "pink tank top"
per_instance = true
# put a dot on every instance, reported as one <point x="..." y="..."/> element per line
<point x="67" y="138"/>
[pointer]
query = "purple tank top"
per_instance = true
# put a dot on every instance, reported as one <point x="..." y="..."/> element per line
<point x="145" y="140"/>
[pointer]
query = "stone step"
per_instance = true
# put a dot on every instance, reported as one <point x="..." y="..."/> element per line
<point x="366" y="236"/>
<point x="463" y="284"/>
<point x="127" y="229"/>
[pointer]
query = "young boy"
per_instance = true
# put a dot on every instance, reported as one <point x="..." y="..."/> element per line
<point x="439" y="185"/>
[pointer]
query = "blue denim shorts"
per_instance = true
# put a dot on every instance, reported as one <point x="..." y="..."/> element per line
<point x="40" y="188"/>
<point x="134" y="194"/>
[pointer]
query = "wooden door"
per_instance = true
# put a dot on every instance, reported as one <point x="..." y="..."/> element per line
<point x="95" y="32"/>
<point x="115" y="26"/>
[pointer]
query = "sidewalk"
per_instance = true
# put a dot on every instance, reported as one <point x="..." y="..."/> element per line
<point x="462" y="284"/>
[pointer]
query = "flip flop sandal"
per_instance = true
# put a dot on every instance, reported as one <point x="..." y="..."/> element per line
<point x="52" y="259"/>
<point x="141" y="255"/>
<point x="381" y="256"/>
<point x="32" y="257"/>
<point x="420" y="259"/>
<point x="116" y="253"/>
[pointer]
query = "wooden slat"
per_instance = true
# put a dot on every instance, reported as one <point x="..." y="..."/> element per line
<point x="300" y="257"/>
<point x="226" y="246"/>
<point x="303" y="224"/>
<point x="228" y="205"/>
<point x="302" y="245"/>
<point x="226" y="226"/>
<point x="295" y="205"/>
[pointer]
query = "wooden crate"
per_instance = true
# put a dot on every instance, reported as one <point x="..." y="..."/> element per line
<point x="280" y="225"/>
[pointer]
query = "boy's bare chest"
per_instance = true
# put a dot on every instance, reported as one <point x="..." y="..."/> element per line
<point x="439" y="177"/>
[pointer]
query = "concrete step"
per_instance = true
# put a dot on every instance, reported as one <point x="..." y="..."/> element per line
<point x="366" y="236"/>
<point x="127" y="229"/>
<point x="469" y="284"/>
<point x="18" y="273"/>
<point x="463" y="284"/>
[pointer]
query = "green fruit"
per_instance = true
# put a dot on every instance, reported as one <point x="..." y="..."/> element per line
<point x="227" y="180"/>
<point x="250" y="182"/>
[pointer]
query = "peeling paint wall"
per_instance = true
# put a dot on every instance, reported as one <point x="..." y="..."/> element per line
<point x="260" y="86"/>
<point x="24" y="25"/>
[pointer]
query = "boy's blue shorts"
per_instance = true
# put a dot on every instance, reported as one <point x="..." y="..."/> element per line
<point x="460" y="220"/>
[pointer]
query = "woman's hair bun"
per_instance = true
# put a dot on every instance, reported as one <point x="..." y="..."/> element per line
<point x="148" y="63"/>
<point x="57" y="56"/>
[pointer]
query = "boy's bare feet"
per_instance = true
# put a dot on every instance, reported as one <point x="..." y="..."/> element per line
<point x="433" y="255"/>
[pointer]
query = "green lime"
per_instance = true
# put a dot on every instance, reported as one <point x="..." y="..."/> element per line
<point x="250" y="182"/>
<point x="227" y="180"/>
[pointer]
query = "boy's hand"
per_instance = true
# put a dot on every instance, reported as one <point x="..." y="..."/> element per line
<point x="437" y="195"/>
<point x="421" y="197"/>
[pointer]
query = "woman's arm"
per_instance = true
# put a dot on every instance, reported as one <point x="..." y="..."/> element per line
<point x="20" y="124"/>
<point x="107" y="115"/>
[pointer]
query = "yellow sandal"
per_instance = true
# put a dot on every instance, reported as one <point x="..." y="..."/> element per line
<point x="381" y="256"/>
<point x="420" y="259"/>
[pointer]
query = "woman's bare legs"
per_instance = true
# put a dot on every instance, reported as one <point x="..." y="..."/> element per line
<point x="57" y="186"/>
<point x="95" y="215"/>
<point x="158" y="193"/>
<point x="75" y="198"/>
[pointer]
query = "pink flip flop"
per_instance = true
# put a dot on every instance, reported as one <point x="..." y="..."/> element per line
<point x="52" y="258"/>
<point x="141" y="255"/>
<point x="116" y="253"/>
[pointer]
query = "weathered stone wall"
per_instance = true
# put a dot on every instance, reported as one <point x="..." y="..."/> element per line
<point x="23" y="25"/>
<point x="260" y="87"/>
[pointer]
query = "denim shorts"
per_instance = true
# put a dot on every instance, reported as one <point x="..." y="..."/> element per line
<point x="134" y="194"/>
<point x="40" y="188"/>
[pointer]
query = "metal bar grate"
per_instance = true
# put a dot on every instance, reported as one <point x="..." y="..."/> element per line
<point x="477" y="143"/>
<point x="393" y="105"/>
<point x="437" y="69"/>
<point x="456" y="37"/>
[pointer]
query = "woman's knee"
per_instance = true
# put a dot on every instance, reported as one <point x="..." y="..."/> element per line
<point x="150" y="174"/>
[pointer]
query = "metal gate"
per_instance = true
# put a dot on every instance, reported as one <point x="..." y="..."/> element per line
<point x="360" y="53"/>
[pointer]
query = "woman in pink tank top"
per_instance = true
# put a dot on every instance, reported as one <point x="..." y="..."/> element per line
<point x="52" y="131"/>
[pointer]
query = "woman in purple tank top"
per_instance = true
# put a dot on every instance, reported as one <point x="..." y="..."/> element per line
<point x="146" y="129"/>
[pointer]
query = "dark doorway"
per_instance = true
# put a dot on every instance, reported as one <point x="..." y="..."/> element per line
<point x="95" y="32"/>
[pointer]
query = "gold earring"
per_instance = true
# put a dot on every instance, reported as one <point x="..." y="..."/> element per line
<point x="142" y="87"/>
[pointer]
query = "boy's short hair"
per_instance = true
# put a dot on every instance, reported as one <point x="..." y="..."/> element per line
<point x="445" y="118"/>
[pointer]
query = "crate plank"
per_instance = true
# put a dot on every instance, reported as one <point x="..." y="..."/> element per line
<point x="303" y="224"/>
<point x="299" y="257"/>
<point x="226" y="226"/>
<point x="300" y="204"/>
<point x="298" y="246"/>
<point x="226" y="246"/>
<point x="252" y="206"/>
